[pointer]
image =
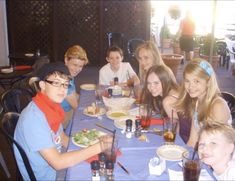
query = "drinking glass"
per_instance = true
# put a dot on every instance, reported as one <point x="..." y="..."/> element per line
<point x="145" y="111"/>
<point x="169" y="129"/>
<point x="191" y="166"/>
<point x="99" y="90"/>
<point x="109" y="147"/>
<point x="137" y="93"/>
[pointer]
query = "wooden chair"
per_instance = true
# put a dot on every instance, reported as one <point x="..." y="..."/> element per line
<point x="8" y="126"/>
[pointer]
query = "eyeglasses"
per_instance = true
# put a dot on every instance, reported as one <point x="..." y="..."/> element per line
<point x="58" y="84"/>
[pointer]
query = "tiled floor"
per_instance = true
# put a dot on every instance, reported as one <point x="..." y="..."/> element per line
<point x="90" y="75"/>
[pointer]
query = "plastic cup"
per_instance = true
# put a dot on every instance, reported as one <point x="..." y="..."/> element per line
<point x="145" y="115"/>
<point x="191" y="166"/>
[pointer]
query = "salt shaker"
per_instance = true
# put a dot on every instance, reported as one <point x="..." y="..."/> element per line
<point x="128" y="128"/>
<point x="137" y="128"/>
<point x="109" y="170"/>
<point x="95" y="166"/>
<point x="102" y="159"/>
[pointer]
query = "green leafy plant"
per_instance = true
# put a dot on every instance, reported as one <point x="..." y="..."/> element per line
<point x="165" y="32"/>
<point x="207" y="40"/>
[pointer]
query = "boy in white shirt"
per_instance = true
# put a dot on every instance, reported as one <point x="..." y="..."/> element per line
<point x="216" y="149"/>
<point x="116" y="68"/>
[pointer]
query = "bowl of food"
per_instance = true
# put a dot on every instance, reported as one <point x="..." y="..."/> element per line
<point x="116" y="114"/>
<point x="115" y="104"/>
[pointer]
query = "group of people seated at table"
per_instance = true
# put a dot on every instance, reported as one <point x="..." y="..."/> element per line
<point x="202" y="113"/>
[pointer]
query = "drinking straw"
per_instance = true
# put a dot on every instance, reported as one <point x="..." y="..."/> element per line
<point x="112" y="148"/>
<point x="195" y="150"/>
<point x="172" y="111"/>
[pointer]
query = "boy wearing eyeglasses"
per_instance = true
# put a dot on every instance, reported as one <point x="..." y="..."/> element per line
<point x="75" y="59"/>
<point x="39" y="129"/>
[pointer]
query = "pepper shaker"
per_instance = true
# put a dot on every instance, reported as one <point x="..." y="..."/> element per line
<point x="95" y="166"/>
<point x="102" y="159"/>
<point x="109" y="170"/>
<point x="137" y="128"/>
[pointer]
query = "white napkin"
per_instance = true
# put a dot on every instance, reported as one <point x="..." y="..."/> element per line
<point x="118" y="103"/>
<point x="178" y="175"/>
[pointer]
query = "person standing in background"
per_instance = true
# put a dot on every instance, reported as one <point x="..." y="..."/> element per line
<point x="186" y="32"/>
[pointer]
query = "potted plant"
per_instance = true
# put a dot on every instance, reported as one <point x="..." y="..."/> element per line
<point x="196" y="46"/>
<point x="165" y="36"/>
<point x="205" y="50"/>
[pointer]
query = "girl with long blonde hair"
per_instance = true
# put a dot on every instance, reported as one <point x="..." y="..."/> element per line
<point x="147" y="55"/>
<point x="199" y="100"/>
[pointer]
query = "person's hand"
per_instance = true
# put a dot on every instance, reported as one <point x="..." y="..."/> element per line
<point x="106" y="142"/>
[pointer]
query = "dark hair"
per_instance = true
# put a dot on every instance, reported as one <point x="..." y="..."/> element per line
<point x="114" y="48"/>
<point x="168" y="82"/>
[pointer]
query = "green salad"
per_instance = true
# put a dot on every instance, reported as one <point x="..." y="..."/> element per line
<point x="87" y="137"/>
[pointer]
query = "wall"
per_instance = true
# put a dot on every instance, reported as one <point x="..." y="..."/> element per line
<point x="3" y="35"/>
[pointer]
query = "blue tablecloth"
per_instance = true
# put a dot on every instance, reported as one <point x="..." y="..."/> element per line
<point x="135" y="154"/>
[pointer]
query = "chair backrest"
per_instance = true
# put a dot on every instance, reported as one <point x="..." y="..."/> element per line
<point x="15" y="99"/>
<point x="34" y="84"/>
<point x="115" y="39"/>
<point x="132" y="44"/>
<point x="8" y="126"/>
<point x="230" y="99"/>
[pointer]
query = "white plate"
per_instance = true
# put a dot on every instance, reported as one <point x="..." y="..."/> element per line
<point x="7" y="70"/>
<point x="100" y="113"/>
<point x="121" y="122"/>
<point x="90" y="143"/>
<point x="116" y="114"/>
<point x="171" y="152"/>
<point x="88" y="86"/>
<point x="29" y="54"/>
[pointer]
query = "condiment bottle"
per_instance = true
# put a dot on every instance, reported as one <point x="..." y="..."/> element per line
<point x="109" y="170"/>
<point x="95" y="166"/>
<point x="115" y="80"/>
<point x="128" y="128"/>
<point x="137" y="128"/>
<point x="102" y="159"/>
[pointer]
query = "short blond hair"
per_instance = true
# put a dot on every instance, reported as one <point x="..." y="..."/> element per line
<point x="213" y="127"/>
<point x="76" y="51"/>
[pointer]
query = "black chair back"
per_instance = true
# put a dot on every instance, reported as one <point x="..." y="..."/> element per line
<point x="8" y="126"/>
<point x="15" y="99"/>
<point x="230" y="99"/>
<point x="115" y="39"/>
<point x="132" y="44"/>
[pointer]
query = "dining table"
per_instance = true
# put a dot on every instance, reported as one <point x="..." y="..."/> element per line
<point x="134" y="153"/>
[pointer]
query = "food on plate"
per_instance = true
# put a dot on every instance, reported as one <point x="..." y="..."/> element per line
<point x="93" y="109"/>
<point x="87" y="137"/>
